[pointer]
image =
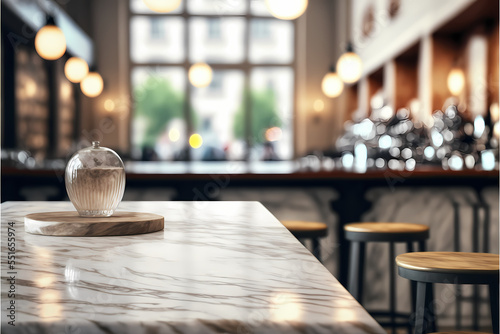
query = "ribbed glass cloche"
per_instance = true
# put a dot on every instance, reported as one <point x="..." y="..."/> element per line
<point x="95" y="181"/>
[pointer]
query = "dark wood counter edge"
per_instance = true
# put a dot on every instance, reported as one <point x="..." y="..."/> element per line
<point x="327" y="175"/>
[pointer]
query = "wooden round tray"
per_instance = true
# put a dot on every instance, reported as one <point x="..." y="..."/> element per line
<point x="69" y="223"/>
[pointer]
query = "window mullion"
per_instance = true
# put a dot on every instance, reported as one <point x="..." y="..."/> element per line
<point x="187" y="89"/>
<point x="247" y="98"/>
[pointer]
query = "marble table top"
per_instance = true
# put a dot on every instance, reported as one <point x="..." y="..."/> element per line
<point x="217" y="267"/>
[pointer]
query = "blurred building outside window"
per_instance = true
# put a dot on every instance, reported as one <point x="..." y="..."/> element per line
<point x="246" y="111"/>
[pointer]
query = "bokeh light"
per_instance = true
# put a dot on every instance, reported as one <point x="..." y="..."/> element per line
<point x="109" y="105"/>
<point x="200" y="75"/>
<point x="332" y="85"/>
<point x="92" y="84"/>
<point x="273" y="134"/>
<point x="174" y="135"/>
<point x="488" y="160"/>
<point x="479" y="126"/>
<point x="50" y="42"/>
<point x="456" y="81"/>
<point x="349" y="67"/>
<point x="76" y="69"/>
<point x="494" y="112"/>
<point x="162" y="6"/>
<point x="286" y="9"/>
<point x="319" y="105"/>
<point x="195" y="141"/>
<point x="385" y="142"/>
<point x="455" y="162"/>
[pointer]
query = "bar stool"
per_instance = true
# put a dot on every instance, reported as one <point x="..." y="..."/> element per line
<point x="308" y="230"/>
<point x="451" y="268"/>
<point x="361" y="233"/>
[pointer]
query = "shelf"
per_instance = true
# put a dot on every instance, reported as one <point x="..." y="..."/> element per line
<point x="468" y="41"/>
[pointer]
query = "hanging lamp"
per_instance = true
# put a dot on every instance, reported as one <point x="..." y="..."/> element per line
<point x="349" y="65"/>
<point x="332" y="86"/>
<point x="286" y="9"/>
<point x="50" y="42"/>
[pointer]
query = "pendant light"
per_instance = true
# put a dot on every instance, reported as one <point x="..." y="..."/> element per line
<point x="332" y="85"/>
<point x="349" y="66"/>
<point x="456" y="81"/>
<point x="287" y="9"/>
<point x="162" y="6"/>
<point x="76" y="69"/>
<point x="92" y="85"/>
<point x="50" y="42"/>
<point x="200" y="75"/>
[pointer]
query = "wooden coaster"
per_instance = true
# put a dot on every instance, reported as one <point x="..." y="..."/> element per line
<point x="70" y="224"/>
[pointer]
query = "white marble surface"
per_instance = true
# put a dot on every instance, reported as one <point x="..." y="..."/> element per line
<point x="218" y="267"/>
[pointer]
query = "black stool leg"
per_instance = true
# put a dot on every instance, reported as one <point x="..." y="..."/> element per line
<point x="316" y="248"/>
<point x="356" y="268"/>
<point x="475" y="248"/>
<point x="413" y="289"/>
<point x="422" y="312"/>
<point x="456" y="248"/>
<point x="494" y="305"/>
<point x="431" y="319"/>
<point x="392" y="282"/>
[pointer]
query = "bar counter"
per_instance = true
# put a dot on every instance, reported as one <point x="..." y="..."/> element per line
<point x="200" y="181"/>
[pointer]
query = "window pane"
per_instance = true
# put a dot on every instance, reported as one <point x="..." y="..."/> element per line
<point x="138" y="6"/>
<point x="217" y="40"/>
<point x="218" y="112"/>
<point x="271" y="41"/>
<point x="272" y="113"/>
<point x="217" y="7"/>
<point x="158" y="126"/>
<point x="157" y="39"/>
<point x="258" y="7"/>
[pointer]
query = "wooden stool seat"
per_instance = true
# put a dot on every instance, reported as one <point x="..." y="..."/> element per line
<point x="426" y="268"/>
<point x="459" y="332"/>
<point x="308" y="230"/>
<point x="387" y="232"/>
<point x="303" y="229"/>
<point x="450" y="262"/>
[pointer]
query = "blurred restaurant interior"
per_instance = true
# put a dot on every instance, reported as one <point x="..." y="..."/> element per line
<point x="335" y="112"/>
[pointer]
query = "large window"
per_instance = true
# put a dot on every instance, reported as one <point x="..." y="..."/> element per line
<point x="247" y="110"/>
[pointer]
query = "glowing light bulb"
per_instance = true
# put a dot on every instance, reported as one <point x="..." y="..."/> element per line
<point x="287" y="9"/>
<point x="332" y="85"/>
<point x="162" y="6"/>
<point x="92" y="84"/>
<point x="349" y="67"/>
<point x="76" y="69"/>
<point x="200" y="75"/>
<point x="195" y="140"/>
<point x="50" y="42"/>
<point x="456" y="81"/>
